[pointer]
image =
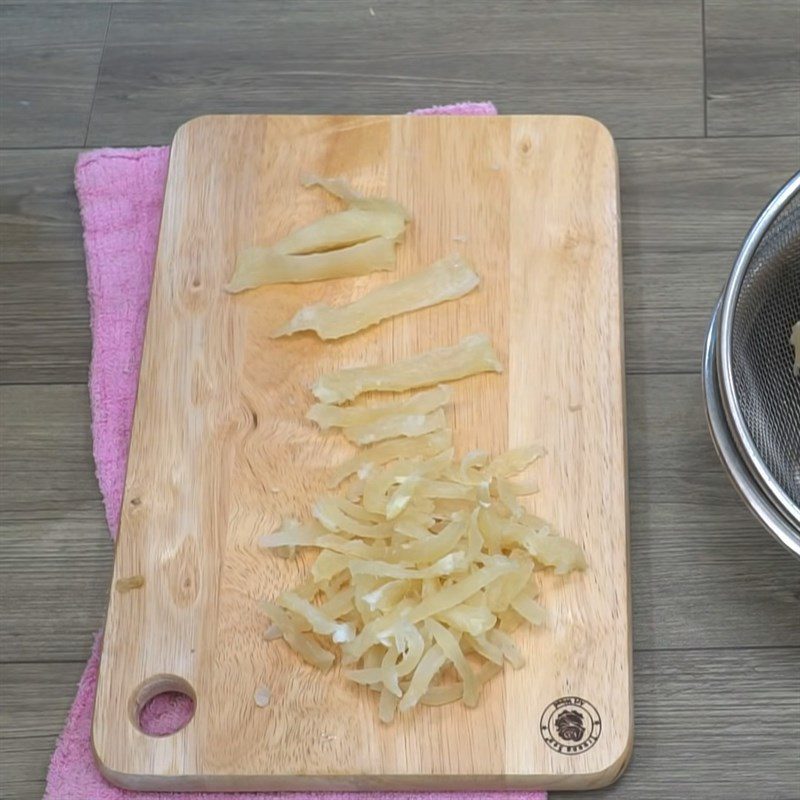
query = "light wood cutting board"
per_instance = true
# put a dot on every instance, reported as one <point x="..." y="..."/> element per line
<point x="221" y="451"/>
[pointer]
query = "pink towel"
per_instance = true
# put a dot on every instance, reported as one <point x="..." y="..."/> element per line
<point x="121" y="194"/>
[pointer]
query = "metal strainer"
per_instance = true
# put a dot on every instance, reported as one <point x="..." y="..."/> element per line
<point x="759" y="393"/>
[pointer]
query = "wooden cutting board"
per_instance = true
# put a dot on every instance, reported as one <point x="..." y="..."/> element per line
<point x="221" y="451"/>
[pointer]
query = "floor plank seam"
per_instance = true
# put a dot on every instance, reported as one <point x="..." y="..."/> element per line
<point x="705" y="70"/>
<point x="99" y="72"/>
<point x="717" y="649"/>
<point x="694" y="138"/>
<point x="40" y="662"/>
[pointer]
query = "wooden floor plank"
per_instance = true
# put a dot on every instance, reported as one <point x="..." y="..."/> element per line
<point x="49" y="59"/>
<point x="44" y="323"/>
<point x="46" y="459"/>
<point x="752" y="67"/>
<point x="34" y="701"/>
<point x="166" y="63"/>
<point x="54" y="575"/>
<point x="39" y="219"/>
<point x="67" y="2"/>
<point x="686" y="207"/>
<point x="37" y="697"/>
<point x="24" y="762"/>
<point x="704" y="572"/>
<point x="55" y="556"/>
<point x="717" y="724"/>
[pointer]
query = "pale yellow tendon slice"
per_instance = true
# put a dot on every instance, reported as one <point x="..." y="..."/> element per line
<point x="426" y="671"/>
<point x="391" y="427"/>
<point x="327" y="416"/>
<point x="341" y="230"/>
<point x="257" y="266"/>
<point x="377" y="454"/>
<point x="445" y="280"/>
<point x="340" y="188"/>
<point x="471" y="355"/>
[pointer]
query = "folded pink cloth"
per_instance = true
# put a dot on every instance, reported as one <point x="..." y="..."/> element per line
<point x="121" y="194"/>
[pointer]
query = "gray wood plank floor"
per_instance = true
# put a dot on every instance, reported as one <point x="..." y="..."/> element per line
<point x="703" y="97"/>
<point x="752" y="66"/>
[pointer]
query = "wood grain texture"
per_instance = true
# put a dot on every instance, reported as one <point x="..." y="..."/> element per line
<point x="706" y="725"/>
<point x="221" y="419"/>
<point x="44" y="322"/>
<point x="34" y="701"/>
<point x="686" y="207"/>
<point x="713" y="724"/>
<point x="39" y="219"/>
<point x="604" y="60"/>
<point x="752" y="67"/>
<point x="704" y="571"/>
<point x="47" y="567"/>
<point x="24" y="760"/>
<point x="693" y="544"/>
<point x="49" y="60"/>
<point x="681" y="223"/>
<point x="47" y="469"/>
<point x="54" y="548"/>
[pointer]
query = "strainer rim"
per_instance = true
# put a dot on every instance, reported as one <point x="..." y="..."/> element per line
<point x="738" y="426"/>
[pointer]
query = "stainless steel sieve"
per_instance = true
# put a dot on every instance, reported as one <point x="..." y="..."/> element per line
<point x="754" y="391"/>
<point x="749" y="489"/>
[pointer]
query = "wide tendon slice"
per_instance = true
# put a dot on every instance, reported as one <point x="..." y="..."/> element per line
<point x="472" y="355"/>
<point x="445" y="280"/>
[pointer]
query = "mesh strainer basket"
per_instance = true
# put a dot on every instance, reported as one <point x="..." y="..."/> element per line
<point x="755" y="392"/>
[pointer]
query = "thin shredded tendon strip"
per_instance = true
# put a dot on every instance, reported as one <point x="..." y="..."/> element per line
<point x="258" y="266"/>
<point x="303" y="644"/>
<point x="338" y="187"/>
<point x="445" y="280"/>
<point x="795" y="342"/>
<point x="341" y="189"/>
<point x="452" y="650"/>
<point x="472" y="355"/>
<point x="425" y="672"/>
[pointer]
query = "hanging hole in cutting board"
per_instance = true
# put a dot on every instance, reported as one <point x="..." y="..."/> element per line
<point x="162" y="705"/>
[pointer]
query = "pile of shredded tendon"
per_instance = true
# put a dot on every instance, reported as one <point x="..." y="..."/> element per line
<point x="428" y="562"/>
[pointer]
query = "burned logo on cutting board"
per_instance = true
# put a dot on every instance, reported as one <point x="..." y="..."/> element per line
<point x="570" y="725"/>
